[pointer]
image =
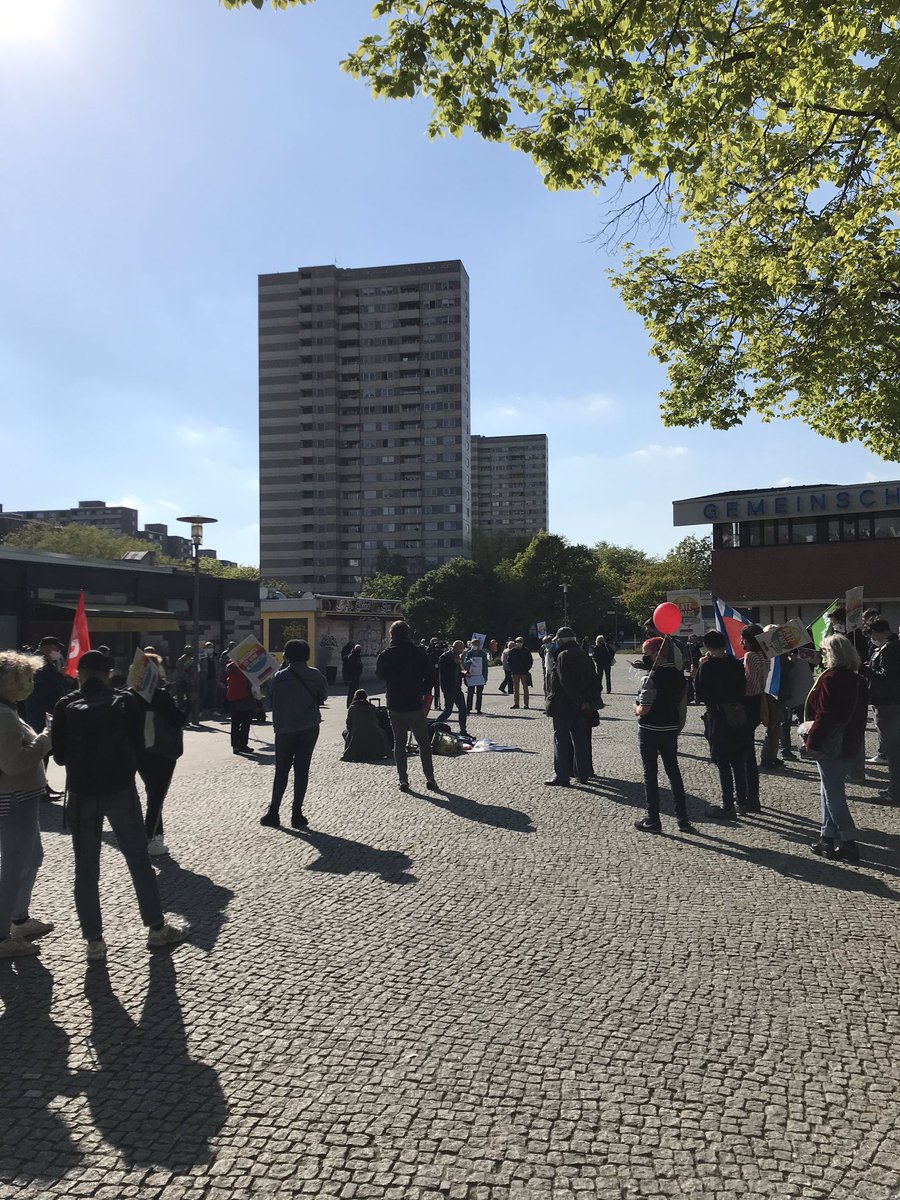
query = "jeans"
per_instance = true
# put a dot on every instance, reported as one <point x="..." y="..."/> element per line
<point x="787" y="746"/>
<point x="123" y="811"/>
<point x="415" y="723"/>
<point x="769" y="752"/>
<point x="571" y="746"/>
<point x="656" y="744"/>
<point x="506" y="685"/>
<point x="520" y="684"/>
<point x="836" y="819"/>
<point x="21" y="855"/>
<point x="475" y="694"/>
<point x="454" y="700"/>
<point x="156" y="773"/>
<point x="887" y="722"/>
<point x="208" y="695"/>
<point x="295" y="750"/>
<point x="240" y="729"/>
<point x="732" y="777"/>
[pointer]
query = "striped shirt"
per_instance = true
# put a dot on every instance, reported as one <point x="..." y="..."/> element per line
<point x="756" y="669"/>
<point x="8" y="799"/>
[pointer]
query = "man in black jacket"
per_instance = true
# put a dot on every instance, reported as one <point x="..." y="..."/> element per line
<point x="450" y="674"/>
<point x="660" y="709"/>
<point x="721" y="685"/>
<point x="409" y="678"/>
<point x="573" y="690"/>
<point x="519" y="665"/>
<point x="96" y="735"/>
<point x="883" y="674"/>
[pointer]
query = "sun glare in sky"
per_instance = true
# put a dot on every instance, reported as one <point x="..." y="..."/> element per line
<point x="23" y="20"/>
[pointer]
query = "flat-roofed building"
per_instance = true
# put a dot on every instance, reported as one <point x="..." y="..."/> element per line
<point x="510" y="491"/>
<point x="364" y="421"/>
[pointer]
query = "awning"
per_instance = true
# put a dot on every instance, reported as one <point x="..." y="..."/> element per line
<point x="121" y="618"/>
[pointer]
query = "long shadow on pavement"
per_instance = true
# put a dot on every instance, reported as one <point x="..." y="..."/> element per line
<point x="497" y="815"/>
<point x="341" y="856"/>
<point x="202" y="903"/>
<point x="147" y="1097"/>
<point x="36" y="1142"/>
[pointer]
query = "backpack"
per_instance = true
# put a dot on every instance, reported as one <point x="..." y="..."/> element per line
<point x="99" y="753"/>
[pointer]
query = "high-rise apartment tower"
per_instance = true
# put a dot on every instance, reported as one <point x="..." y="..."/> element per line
<point x="364" y="418"/>
<point x="509" y="485"/>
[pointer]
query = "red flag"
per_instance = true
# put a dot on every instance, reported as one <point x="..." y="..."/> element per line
<point x="80" y="640"/>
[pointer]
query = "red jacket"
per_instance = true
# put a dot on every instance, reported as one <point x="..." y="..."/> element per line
<point x="840" y="697"/>
<point x="237" y="685"/>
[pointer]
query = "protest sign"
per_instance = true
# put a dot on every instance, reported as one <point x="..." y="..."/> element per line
<point x="480" y="638"/>
<point x="854" y="603"/>
<point x="143" y="675"/>
<point x="691" y="606"/>
<point x="541" y="628"/>
<point x="784" y="638"/>
<point x="254" y="660"/>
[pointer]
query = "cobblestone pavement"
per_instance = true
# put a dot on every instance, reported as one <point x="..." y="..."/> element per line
<point x="499" y="993"/>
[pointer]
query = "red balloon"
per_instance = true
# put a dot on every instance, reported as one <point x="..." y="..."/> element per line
<point x="667" y="617"/>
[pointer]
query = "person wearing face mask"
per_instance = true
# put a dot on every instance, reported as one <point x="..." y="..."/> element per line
<point x="23" y="785"/>
<point x="883" y="674"/>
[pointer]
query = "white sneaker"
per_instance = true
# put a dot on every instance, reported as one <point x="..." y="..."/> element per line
<point x="32" y="928"/>
<point x="16" y="947"/>
<point x="167" y="935"/>
<point x="877" y="758"/>
<point x="157" y="846"/>
<point x="95" y="951"/>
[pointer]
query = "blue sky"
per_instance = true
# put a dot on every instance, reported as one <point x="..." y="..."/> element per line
<point x="159" y="154"/>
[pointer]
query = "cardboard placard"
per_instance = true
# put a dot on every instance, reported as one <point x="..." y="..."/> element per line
<point x="143" y="675"/>
<point x="784" y="638"/>
<point x="254" y="660"/>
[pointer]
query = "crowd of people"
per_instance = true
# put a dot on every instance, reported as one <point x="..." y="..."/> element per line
<point x="106" y="736"/>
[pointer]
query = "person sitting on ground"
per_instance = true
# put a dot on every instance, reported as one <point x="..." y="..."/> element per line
<point x="96" y="735"/>
<point x="23" y="785"/>
<point x="364" y="739"/>
<point x="721" y="686"/>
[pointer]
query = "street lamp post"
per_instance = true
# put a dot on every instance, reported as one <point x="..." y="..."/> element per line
<point x="565" y="592"/>
<point x="196" y="524"/>
<point x="614" y="613"/>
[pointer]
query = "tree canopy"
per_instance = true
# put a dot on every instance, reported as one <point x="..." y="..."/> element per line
<point x="768" y="129"/>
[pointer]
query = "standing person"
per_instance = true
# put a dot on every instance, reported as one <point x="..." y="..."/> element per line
<point x="96" y="736"/>
<point x="352" y="670"/>
<point x="603" y="656"/>
<point x="836" y="712"/>
<point x="475" y="669"/>
<point x="157" y="757"/>
<point x="756" y="670"/>
<point x="435" y="649"/>
<point x="774" y="716"/>
<point x="796" y="684"/>
<point x="23" y="785"/>
<point x="693" y="651"/>
<point x="298" y="692"/>
<point x="573" y="690"/>
<point x="224" y="660"/>
<point x="520" y="663"/>
<point x="51" y="683"/>
<point x="883" y="674"/>
<point x="506" y="686"/>
<point x="207" y="677"/>
<point x="660" y="709"/>
<point x="721" y="686"/>
<point x="241" y="705"/>
<point x="547" y="655"/>
<point x="409" y="679"/>
<point x="451" y="677"/>
<point x="186" y="682"/>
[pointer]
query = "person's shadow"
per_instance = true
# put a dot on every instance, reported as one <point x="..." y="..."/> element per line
<point x="202" y="903"/>
<point x="485" y="814"/>
<point x="147" y="1096"/>
<point x="341" y="856"/>
<point x="34" y="1050"/>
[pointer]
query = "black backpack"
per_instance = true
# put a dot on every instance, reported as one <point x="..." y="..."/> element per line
<point x="99" y="746"/>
